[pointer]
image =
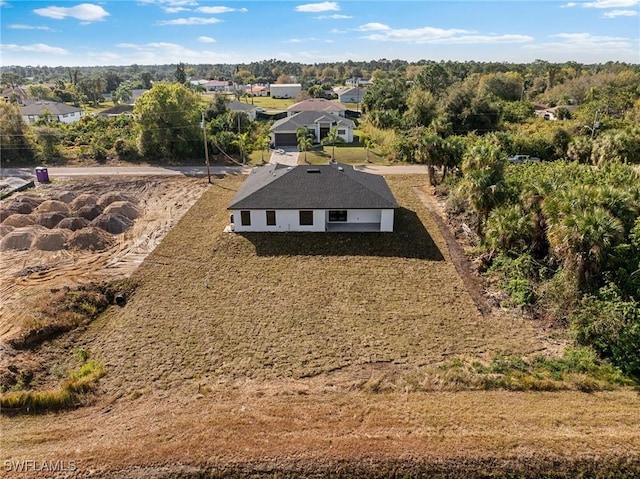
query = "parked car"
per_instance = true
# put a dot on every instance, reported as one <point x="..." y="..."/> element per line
<point x="523" y="159"/>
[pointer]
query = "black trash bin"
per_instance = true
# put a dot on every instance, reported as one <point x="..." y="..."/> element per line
<point x="42" y="174"/>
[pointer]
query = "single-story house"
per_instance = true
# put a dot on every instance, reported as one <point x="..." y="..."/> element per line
<point x="117" y="110"/>
<point x="284" y="131"/>
<point x="257" y="90"/>
<point x="324" y="198"/>
<point x="137" y="93"/>
<point x="318" y="105"/>
<point x="217" y="85"/>
<point x="357" y="81"/>
<point x="32" y="110"/>
<point x="250" y="110"/>
<point x="351" y="95"/>
<point x="284" y="90"/>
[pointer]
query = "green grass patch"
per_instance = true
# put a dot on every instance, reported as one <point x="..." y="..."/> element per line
<point x="74" y="391"/>
<point x="576" y="369"/>
<point x="349" y="155"/>
<point x="269" y="103"/>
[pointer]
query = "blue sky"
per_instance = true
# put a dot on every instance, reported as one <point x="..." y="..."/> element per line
<point x="146" y="32"/>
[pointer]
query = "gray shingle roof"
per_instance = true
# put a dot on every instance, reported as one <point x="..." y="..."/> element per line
<point x="239" y="106"/>
<point x="55" y="108"/>
<point x="312" y="187"/>
<point x="317" y="104"/>
<point x="307" y="118"/>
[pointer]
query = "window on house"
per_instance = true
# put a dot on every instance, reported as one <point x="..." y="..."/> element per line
<point x="337" y="215"/>
<point x="245" y="218"/>
<point x="341" y="132"/>
<point x="271" y="218"/>
<point x="306" y="218"/>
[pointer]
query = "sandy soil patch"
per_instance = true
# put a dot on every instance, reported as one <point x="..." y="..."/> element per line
<point x="76" y="232"/>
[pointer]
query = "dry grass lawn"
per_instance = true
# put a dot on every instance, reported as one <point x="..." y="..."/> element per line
<point x="299" y="354"/>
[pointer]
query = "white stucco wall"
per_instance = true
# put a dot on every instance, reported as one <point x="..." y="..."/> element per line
<point x="289" y="220"/>
<point x="286" y="220"/>
<point x="386" y="221"/>
<point x="284" y="91"/>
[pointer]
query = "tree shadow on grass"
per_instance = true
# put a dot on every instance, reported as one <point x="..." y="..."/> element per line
<point x="410" y="239"/>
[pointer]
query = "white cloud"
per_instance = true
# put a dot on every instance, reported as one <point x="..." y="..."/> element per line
<point x="437" y="35"/>
<point x="203" y="39"/>
<point x="191" y="21"/>
<point x="170" y="3"/>
<point x="620" y="13"/>
<point x="34" y="48"/>
<point x="337" y="31"/>
<point x="604" y="4"/>
<point x="335" y="16"/>
<point x="610" y="3"/>
<point x="301" y="40"/>
<point x="19" y="26"/>
<point x="175" y="9"/>
<point x="368" y="27"/>
<point x="318" y="7"/>
<point x="85" y="11"/>
<point x="600" y="48"/>
<point x="218" y="10"/>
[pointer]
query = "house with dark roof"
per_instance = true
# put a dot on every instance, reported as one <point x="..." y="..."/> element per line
<point x="241" y="107"/>
<point x="319" y="124"/>
<point x="351" y="95"/>
<point x="32" y="110"/>
<point x="317" y="104"/>
<point x="117" y="110"/>
<point x="324" y="198"/>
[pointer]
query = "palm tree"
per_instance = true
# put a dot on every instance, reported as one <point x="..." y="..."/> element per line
<point x="263" y="143"/>
<point x="369" y="144"/>
<point x="331" y="139"/>
<point x="305" y="144"/>
<point x="583" y="239"/>
<point x="243" y="142"/>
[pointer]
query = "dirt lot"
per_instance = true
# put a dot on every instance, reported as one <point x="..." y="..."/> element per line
<point x="315" y="355"/>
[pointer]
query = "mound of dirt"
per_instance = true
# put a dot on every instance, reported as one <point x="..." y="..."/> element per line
<point x="89" y="212"/>
<point x="54" y="240"/>
<point x="50" y="206"/>
<point x="112" y="223"/>
<point x="124" y="208"/>
<point x="112" y="196"/>
<point x="85" y="199"/>
<point x="90" y="238"/>
<point x="19" y="220"/>
<point x="50" y="220"/>
<point x="23" y="205"/>
<point x="18" y="239"/>
<point x="5" y="230"/>
<point x="73" y="223"/>
<point x="66" y="196"/>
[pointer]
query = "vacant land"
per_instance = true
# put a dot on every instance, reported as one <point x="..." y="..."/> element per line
<point x="309" y="355"/>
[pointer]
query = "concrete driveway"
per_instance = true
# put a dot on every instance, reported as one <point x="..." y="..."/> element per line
<point x="285" y="156"/>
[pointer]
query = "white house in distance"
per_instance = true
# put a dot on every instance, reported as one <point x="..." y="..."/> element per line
<point x="351" y="95"/>
<point x="32" y="110"/>
<point x="324" y="198"/>
<point x="284" y="90"/>
<point x="284" y="131"/>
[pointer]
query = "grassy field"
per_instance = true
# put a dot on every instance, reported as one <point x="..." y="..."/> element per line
<point x="313" y="354"/>
<point x="349" y="155"/>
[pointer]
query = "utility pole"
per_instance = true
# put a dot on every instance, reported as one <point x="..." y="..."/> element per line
<point x="206" y="147"/>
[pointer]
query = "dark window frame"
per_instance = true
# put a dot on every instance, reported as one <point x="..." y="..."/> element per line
<point x="306" y="217"/>
<point x="245" y="218"/>
<point x="271" y="217"/>
<point x="337" y="216"/>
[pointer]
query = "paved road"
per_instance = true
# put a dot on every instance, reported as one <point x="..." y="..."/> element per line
<point x="56" y="172"/>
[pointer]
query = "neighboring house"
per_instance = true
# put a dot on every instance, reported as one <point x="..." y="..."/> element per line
<point x="284" y="131"/>
<point x="357" y="81"/>
<point x="318" y="105"/>
<point x="325" y="198"/>
<point x="216" y="85"/>
<point x="250" y="110"/>
<point x="117" y="111"/>
<point x="284" y="90"/>
<point x="257" y="90"/>
<point x="17" y="94"/>
<point x="351" y="95"/>
<point x="32" y="110"/>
